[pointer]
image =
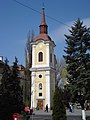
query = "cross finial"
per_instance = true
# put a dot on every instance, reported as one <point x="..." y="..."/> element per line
<point x="43" y="5"/>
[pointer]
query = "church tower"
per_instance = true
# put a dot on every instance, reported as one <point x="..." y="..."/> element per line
<point x="43" y="68"/>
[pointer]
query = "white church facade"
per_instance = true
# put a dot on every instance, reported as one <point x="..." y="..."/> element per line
<point x="43" y="72"/>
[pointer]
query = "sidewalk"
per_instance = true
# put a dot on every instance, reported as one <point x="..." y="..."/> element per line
<point x="41" y="112"/>
<point x="41" y="115"/>
<point x="77" y="112"/>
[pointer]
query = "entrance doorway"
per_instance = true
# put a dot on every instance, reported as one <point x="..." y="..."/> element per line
<point x="40" y="104"/>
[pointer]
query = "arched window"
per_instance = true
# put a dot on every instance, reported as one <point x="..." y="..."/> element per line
<point x="40" y="57"/>
<point x="40" y="86"/>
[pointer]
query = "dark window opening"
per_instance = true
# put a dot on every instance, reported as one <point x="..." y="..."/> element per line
<point x="40" y="94"/>
<point x="50" y="58"/>
<point x="40" y="76"/>
<point x="40" y="86"/>
<point x="40" y="56"/>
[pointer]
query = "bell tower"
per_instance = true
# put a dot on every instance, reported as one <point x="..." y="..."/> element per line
<point x="43" y="68"/>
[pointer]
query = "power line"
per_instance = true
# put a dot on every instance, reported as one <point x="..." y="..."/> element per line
<point x="40" y="12"/>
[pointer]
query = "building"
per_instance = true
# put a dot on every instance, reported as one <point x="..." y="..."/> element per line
<point x="1" y="67"/>
<point x="21" y="70"/>
<point x="43" y="68"/>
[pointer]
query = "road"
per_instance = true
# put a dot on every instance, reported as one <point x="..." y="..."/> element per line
<point x="75" y="115"/>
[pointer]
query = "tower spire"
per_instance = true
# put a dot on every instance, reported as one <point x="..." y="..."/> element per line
<point x="43" y="26"/>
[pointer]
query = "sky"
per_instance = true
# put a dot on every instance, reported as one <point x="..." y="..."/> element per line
<point x="18" y="17"/>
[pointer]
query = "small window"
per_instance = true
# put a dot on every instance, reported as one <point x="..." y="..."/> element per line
<point x="40" y="76"/>
<point x="40" y="86"/>
<point x="40" y="57"/>
<point x="50" y="58"/>
<point x="40" y="94"/>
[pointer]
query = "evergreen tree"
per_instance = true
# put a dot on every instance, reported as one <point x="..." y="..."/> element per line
<point x="67" y="95"/>
<point x="59" y="112"/>
<point x="78" y="58"/>
<point x="12" y="100"/>
<point x="4" y="91"/>
<point x="15" y="90"/>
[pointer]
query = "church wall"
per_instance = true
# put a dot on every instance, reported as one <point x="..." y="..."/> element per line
<point x="52" y="53"/>
<point x="52" y="86"/>
<point x="37" y="90"/>
<point x="43" y="50"/>
<point x="46" y="55"/>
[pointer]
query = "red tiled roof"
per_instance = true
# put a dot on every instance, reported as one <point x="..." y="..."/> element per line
<point x="42" y="36"/>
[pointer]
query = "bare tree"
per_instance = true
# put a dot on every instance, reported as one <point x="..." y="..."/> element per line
<point x="61" y="72"/>
<point x="28" y="61"/>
